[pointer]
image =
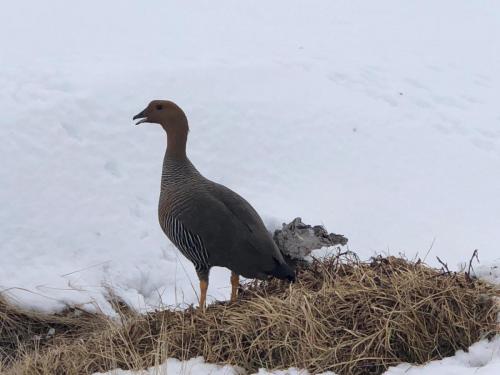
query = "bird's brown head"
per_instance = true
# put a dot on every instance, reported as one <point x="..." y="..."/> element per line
<point x="163" y="112"/>
<point x="172" y="118"/>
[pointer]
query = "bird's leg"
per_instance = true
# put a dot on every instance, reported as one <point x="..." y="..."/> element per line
<point x="235" y="283"/>
<point x="203" y="276"/>
<point x="203" y="293"/>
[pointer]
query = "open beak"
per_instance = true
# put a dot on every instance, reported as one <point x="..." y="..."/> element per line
<point x="142" y="116"/>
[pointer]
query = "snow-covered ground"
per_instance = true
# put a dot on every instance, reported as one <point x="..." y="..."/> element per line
<point x="378" y="119"/>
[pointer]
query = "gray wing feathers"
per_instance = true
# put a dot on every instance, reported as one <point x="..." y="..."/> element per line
<point x="232" y="231"/>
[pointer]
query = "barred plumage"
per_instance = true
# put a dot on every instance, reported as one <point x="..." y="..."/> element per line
<point x="190" y="244"/>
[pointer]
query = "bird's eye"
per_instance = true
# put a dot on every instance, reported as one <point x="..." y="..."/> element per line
<point x="159" y="107"/>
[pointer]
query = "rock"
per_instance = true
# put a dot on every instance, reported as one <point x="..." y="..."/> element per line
<point x="297" y="239"/>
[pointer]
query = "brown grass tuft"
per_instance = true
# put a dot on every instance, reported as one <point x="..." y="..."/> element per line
<point x="343" y="315"/>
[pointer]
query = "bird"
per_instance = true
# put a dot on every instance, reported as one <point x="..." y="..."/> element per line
<point x="208" y="223"/>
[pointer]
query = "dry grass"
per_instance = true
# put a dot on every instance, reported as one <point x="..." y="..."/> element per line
<point x="341" y="315"/>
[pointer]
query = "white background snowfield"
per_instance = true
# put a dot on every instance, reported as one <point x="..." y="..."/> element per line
<point x="379" y="119"/>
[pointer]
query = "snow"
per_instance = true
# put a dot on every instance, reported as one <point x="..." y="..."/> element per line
<point x="194" y="366"/>
<point x="482" y="358"/>
<point x="489" y="271"/>
<point x="379" y="120"/>
<point x="197" y="366"/>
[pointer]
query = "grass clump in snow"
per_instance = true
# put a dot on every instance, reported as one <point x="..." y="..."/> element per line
<point x="342" y="314"/>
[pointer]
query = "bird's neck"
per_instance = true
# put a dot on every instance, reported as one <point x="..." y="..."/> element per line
<point x="176" y="145"/>
<point x="176" y="141"/>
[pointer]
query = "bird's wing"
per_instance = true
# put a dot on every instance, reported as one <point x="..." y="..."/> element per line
<point x="232" y="230"/>
<point x="239" y="208"/>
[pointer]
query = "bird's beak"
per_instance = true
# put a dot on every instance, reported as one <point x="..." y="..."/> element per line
<point x="142" y="116"/>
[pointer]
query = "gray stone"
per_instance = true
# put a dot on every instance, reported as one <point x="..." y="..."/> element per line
<point x="296" y="240"/>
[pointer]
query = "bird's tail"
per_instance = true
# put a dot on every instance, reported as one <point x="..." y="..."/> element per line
<point x="283" y="271"/>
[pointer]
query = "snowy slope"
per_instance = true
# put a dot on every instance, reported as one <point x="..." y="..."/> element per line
<point x="378" y="119"/>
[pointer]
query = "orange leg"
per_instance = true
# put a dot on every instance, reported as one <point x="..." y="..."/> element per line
<point x="235" y="283"/>
<point x="203" y="293"/>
